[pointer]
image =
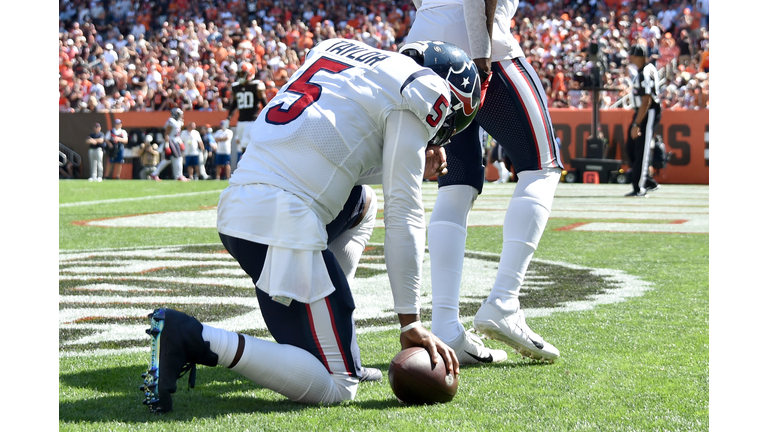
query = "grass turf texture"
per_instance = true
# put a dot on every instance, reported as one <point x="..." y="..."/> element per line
<point x="641" y="364"/>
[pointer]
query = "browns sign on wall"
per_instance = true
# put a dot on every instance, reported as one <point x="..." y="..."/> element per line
<point x="685" y="134"/>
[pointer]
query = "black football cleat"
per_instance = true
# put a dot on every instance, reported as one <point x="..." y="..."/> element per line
<point x="177" y="347"/>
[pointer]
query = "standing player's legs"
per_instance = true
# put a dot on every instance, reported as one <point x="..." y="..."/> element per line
<point x="447" y="235"/>
<point x="109" y="168"/>
<point x="240" y="141"/>
<point x="636" y="147"/>
<point x="96" y="158"/>
<point x="117" y="164"/>
<point x="201" y="164"/>
<point x="160" y="167"/>
<point x="642" y="154"/>
<point x="190" y="167"/>
<point x="222" y="166"/>
<point x="497" y="158"/>
<point x="193" y="166"/>
<point x="515" y="114"/>
<point x="235" y="146"/>
<point x="177" y="164"/>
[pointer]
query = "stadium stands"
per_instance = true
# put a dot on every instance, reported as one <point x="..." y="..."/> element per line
<point x="133" y="55"/>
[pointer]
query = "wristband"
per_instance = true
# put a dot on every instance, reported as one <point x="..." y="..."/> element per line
<point x="410" y="326"/>
<point x="635" y="124"/>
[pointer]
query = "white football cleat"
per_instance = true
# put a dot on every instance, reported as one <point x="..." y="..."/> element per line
<point x="370" y="374"/>
<point x="513" y="331"/>
<point x="471" y="350"/>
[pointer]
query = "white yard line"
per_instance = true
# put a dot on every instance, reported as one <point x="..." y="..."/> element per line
<point x="119" y="200"/>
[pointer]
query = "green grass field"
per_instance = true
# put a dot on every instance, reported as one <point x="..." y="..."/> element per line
<point x="619" y="285"/>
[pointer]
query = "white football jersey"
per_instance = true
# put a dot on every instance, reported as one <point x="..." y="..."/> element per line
<point x="444" y="20"/>
<point x="191" y="140"/>
<point x="176" y="126"/>
<point x="223" y="147"/>
<point x="348" y="109"/>
<point x="338" y="101"/>
<point x="118" y="133"/>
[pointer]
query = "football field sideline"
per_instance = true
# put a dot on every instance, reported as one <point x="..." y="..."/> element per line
<point x="144" y="198"/>
<point x="673" y="209"/>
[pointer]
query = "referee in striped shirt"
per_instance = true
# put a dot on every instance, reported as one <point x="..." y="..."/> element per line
<point x="645" y="99"/>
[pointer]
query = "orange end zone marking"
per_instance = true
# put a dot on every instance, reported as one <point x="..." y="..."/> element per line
<point x="87" y="221"/>
<point x="152" y="270"/>
<point x="571" y="226"/>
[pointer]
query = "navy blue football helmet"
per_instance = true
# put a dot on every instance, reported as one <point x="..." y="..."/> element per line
<point x="459" y="71"/>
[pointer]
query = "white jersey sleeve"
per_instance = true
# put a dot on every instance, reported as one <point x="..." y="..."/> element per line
<point x="405" y="234"/>
<point x="175" y="132"/>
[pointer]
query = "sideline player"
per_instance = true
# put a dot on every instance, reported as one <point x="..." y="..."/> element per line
<point x="96" y="146"/>
<point x="645" y="100"/>
<point x="116" y="139"/>
<point x="276" y="217"/>
<point x="150" y="156"/>
<point x="248" y="98"/>
<point x="515" y="114"/>
<point x="193" y="148"/>
<point x="174" y="147"/>
<point x="223" y="161"/>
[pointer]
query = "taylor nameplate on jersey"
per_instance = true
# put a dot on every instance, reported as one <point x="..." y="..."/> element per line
<point x="357" y="53"/>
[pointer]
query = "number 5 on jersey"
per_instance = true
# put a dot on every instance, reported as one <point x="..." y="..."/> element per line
<point x="309" y="92"/>
<point x="441" y="103"/>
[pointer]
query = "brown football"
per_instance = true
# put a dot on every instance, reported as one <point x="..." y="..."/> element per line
<point x="416" y="381"/>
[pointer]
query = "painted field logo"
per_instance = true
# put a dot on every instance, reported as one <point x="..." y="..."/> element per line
<point x="105" y="295"/>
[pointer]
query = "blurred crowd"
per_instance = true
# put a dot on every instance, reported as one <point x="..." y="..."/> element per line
<point x="141" y="55"/>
